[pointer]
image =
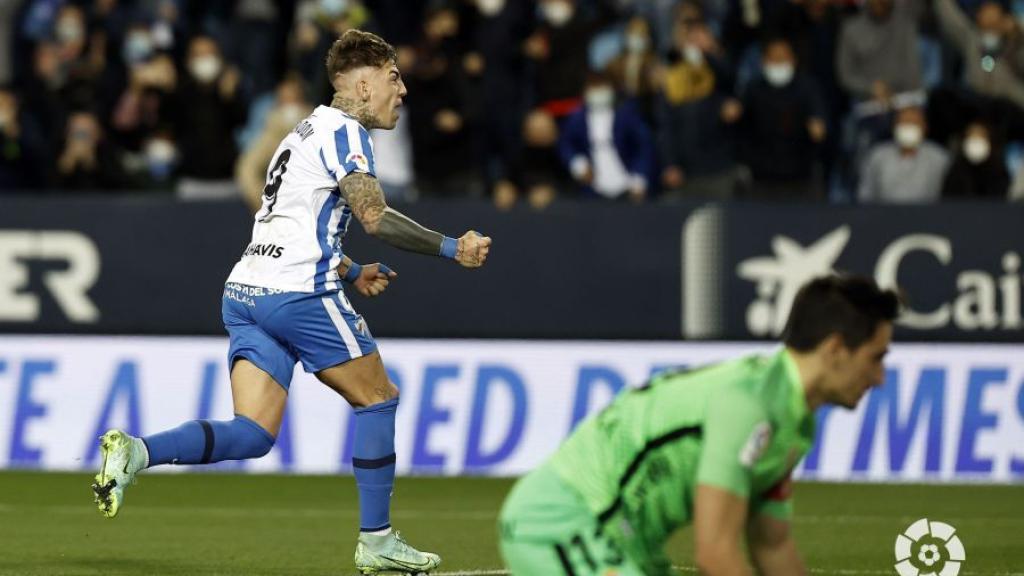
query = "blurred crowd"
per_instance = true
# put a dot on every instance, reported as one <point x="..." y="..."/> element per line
<point x="528" y="101"/>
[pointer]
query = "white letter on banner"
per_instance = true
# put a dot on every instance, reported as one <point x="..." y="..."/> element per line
<point x="887" y="269"/>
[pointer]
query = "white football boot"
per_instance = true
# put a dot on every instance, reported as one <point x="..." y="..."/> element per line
<point x="123" y="456"/>
<point x="391" y="553"/>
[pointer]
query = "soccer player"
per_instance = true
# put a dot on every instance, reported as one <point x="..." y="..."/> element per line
<point x="283" y="303"/>
<point x="714" y="447"/>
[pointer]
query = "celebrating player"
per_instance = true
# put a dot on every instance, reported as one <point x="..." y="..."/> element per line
<point x="283" y="303"/>
<point x="715" y="446"/>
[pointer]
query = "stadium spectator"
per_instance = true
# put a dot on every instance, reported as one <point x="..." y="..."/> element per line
<point x="695" y="147"/>
<point x="441" y="126"/>
<point x="634" y="71"/>
<point x="607" y="147"/>
<point x="290" y="107"/>
<point x="88" y="161"/>
<point x="558" y="49"/>
<point x="256" y="29"/>
<point x="978" y="171"/>
<point x="155" y="169"/>
<point x="878" y="50"/>
<point x="396" y="175"/>
<point x="208" y="110"/>
<point x="147" y="99"/>
<point x="992" y="49"/>
<point x="541" y="170"/>
<point x="22" y="148"/>
<point x="317" y="24"/>
<point x="992" y="57"/>
<point x="781" y="127"/>
<point x="908" y="170"/>
<point x="500" y="30"/>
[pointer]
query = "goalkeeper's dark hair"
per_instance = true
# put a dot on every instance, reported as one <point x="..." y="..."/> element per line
<point x="356" y="49"/>
<point x="852" y="306"/>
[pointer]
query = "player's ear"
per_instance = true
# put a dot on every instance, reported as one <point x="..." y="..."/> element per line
<point x="363" y="89"/>
<point x="833" y="348"/>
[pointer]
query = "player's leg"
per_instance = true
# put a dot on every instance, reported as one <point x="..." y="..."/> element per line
<point x="545" y="528"/>
<point x="334" y="343"/>
<point x="363" y="382"/>
<point x="259" y="403"/>
<point x="261" y="371"/>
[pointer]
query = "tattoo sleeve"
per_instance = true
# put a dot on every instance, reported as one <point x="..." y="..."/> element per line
<point x="364" y="195"/>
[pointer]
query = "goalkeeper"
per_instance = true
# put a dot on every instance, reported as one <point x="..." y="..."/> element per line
<point x="714" y="447"/>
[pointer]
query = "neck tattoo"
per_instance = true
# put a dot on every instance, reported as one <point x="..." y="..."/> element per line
<point x="358" y="110"/>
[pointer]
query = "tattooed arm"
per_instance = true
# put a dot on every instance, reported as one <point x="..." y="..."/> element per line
<point x="364" y="195"/>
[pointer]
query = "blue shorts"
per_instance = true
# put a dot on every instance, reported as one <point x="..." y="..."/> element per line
<point x="275" y="329"/>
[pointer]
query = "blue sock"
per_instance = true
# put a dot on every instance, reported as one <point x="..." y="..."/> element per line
<point x="208" y="441"/>
<point x="373" y="462"/>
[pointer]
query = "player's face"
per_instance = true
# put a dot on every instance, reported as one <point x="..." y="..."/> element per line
<point x="388" y="91"/>
<point x="860" y="369"/>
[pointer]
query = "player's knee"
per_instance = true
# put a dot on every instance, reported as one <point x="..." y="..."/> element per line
<point x="251" y="440"/>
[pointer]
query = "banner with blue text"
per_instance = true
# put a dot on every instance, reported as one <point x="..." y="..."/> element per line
<point x="945" y="413"/>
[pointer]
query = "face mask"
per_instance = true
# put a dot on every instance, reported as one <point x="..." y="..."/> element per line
<point x="636" y="43"/>
<point x="693" y="55"/>
<point x="163" y="35"/>
<point x="977" y="149"/>
<point x="602" y="97"/>
<point x="490" y="8"/>
<point x="292" y="113"/>
<point x="557" y="13"/>
<point x="69" y="31"/>
<point x="333" y="8"/>
<point x="160" y="156"/>
<point x="137" y="47"/>
<point x="205" y="68"/>
<point x="991" y="41"/>
<point x="908" y="135"/>
<point x="778" y="75"/>
<point x="160" y="150"/>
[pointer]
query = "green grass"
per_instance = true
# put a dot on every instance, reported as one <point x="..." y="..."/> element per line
<point x="218" y="524"/>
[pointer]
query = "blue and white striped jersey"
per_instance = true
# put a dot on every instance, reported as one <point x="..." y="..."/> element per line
<point x="296" y="239"/>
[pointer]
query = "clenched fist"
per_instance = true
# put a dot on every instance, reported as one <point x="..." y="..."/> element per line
<point x="472" y="249"/>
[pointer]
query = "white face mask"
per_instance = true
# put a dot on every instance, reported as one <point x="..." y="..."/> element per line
<point x="557" y="13"/>
<point x="977" y="149"/>
<point x="292" y="113"/>
<point x="693" y="54"/>
<point x="908" y="136"/>
<point x="778" y="75"/>
<point x="205" y="68"/>
<point x="490" y="8"/>
<point x="602" y="97"/>
<point x="161" y="151"/>
<point x="636" y="43"/>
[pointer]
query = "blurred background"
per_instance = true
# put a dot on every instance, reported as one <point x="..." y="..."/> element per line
<point x="656" y="174"/>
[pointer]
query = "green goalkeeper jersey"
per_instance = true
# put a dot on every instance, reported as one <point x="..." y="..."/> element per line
<point x="740" y="425"/>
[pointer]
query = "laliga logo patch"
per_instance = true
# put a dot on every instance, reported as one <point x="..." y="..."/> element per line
<point x="756" y="444"/>
<point x="929" y="549"/>
<point x="359" y="160"/>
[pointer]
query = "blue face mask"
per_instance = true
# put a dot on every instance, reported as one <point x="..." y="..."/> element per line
<point x="333" y="8"/>
<point x="137" y="48"/>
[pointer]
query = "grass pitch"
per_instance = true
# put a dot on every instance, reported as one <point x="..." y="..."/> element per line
<point x="228" y="525"/>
